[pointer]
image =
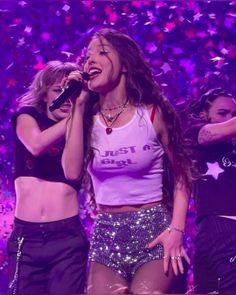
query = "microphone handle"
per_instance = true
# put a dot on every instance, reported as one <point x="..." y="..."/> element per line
<point x="73" y="88"/>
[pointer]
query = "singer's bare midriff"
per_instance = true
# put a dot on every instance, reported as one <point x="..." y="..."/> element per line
<point x="126" y="208"/>
<point x="39" y="200"/>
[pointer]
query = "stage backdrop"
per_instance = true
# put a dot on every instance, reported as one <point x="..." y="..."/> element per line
<point x="190" y="44"/>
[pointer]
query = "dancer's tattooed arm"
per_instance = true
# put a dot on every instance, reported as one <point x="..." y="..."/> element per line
<point x="207" y="136"/>
<point x="212" y="133"/>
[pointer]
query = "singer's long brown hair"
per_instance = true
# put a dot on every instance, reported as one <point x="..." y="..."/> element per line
<point x="53" y="71"/>
<point x="142" y="89"/>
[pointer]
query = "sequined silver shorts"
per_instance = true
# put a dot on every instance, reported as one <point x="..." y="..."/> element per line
<point x="119" y="239"/>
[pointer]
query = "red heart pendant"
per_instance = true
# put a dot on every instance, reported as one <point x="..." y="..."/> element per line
<point x="108" y="130"/>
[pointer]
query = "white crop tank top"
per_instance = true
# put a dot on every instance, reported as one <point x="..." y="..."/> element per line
<point x="127" y="167"/>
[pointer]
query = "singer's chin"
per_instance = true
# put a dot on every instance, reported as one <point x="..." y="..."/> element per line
<point x="93" y="86"/>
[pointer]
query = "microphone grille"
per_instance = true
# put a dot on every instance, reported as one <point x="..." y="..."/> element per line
<point x="85" y="76"/>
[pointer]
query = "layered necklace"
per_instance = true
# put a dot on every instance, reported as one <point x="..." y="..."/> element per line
<point x="110" y="119"/>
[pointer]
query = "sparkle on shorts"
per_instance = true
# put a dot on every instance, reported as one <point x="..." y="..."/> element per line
<point x="120" y="239"/>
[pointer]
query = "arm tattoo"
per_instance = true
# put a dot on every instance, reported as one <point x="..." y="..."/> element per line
<point x="206" y="136"/>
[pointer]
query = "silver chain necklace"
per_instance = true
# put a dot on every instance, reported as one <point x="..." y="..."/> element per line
<point x="110" y="120"/>
<point x="109" y="117"/>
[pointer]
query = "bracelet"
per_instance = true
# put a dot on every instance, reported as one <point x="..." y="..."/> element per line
<point x="169" y="228"/>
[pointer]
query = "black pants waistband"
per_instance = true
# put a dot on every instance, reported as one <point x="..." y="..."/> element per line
<point x="57" y="225"/>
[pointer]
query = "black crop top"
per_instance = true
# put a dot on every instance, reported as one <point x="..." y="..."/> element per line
<point x="214" y="189"/>
<point x="46" y="166"/>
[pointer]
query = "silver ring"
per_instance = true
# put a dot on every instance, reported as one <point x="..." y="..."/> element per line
<point x="178" y="257"/>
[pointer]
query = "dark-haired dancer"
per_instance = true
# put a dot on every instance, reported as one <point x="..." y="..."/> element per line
<point x="137" y="243"/>
<point x="48" y="247"/>
<point x="213" y="142"/>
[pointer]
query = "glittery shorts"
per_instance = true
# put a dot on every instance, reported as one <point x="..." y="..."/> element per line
<point x="119" y="240"/>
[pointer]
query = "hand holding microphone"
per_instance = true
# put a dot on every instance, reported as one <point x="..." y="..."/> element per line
<point x="73" y="88"/>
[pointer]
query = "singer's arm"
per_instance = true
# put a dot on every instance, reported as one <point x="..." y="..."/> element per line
<point x="73" y="154"/>
<point x="36" y="141"/>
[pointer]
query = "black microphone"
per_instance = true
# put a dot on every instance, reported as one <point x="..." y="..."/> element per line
<point x="74" y="87"/>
